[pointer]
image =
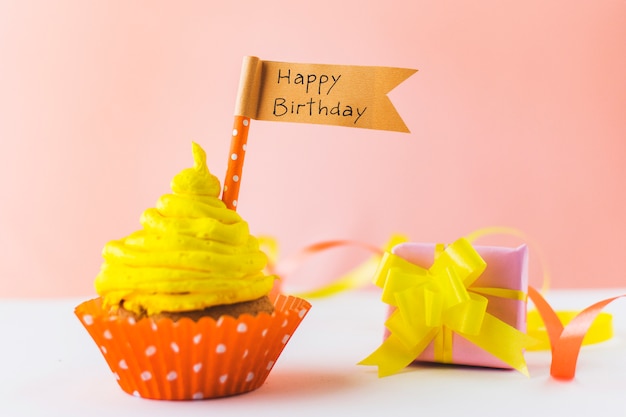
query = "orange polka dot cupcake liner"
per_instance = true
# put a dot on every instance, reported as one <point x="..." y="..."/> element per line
<point x="187" y="360"/>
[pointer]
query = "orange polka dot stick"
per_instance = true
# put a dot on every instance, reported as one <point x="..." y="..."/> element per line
<point x="237" y="153"/>
<point x="245" y="109"/>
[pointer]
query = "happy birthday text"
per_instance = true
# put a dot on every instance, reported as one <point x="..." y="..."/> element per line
<point x="313" y="84"/>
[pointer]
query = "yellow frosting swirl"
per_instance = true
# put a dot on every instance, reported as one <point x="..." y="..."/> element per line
<point x="192" y="253"/>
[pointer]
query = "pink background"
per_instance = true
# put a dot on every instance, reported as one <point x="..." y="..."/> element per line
<point x="517" y="119"/>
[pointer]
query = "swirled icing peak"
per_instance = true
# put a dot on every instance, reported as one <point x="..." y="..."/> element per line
<point x="191" y="253"/>
<point x="197" y="180"/>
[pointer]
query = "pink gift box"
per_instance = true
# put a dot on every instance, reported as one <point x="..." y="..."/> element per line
<point x="506" y="268"/>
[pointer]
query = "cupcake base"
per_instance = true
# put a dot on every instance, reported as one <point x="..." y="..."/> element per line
<point x="191" y="360"/>
<point x="254" y="307"/>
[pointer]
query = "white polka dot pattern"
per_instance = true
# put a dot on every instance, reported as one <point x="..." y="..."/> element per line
<point x="153" y="359"/>
<point x="238" y="146"/>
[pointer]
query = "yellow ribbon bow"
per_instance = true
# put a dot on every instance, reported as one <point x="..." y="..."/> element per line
<point x="432" y="303"/>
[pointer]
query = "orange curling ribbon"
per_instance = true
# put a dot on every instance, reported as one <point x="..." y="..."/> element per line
<point x="433" y="303"/>
<point x="566" y="340"/>
<point x="353" y="279"/>
<point x="600" y="330"/>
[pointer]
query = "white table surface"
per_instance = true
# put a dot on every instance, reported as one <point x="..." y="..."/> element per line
<point x="49" y="366"/>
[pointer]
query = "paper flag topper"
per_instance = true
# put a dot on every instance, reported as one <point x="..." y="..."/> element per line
<point x="339" y="95"/>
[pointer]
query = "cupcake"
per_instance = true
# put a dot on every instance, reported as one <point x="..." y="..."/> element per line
<point x="185" y="310"/>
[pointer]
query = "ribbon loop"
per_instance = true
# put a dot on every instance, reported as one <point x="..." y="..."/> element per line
<point x="463" y="259"/>
<point x="467" y="317"/>
<point x="455" y="291"/>
<point x="396" y="275"/>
